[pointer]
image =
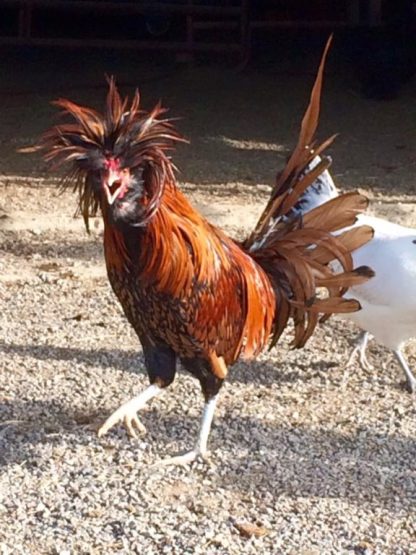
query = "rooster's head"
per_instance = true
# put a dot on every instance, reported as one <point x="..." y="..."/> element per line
<point x="121" y="153"/>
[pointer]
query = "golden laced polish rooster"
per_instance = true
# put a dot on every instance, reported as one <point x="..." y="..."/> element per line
<point x="190" y="292"/>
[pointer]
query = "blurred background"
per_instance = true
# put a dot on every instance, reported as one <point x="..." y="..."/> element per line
<point x="238" y="72"/>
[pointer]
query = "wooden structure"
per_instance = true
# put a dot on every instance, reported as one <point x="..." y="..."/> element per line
<point x="201" y="25"/>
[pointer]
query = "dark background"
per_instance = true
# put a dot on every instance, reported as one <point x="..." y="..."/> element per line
<point x="241" y="98"/>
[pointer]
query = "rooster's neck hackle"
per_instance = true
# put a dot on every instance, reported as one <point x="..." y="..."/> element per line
<point x="175" y="249"/>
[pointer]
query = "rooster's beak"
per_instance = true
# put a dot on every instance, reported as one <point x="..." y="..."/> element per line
<point x="112" y="185"/>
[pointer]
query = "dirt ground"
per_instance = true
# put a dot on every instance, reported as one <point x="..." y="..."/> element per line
<point x="315" y="458"/>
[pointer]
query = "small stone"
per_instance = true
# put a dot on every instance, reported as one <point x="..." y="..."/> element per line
<point x="248" y="530"/>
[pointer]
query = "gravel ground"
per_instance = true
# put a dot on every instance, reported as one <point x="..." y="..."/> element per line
<point x="307" y="458"/>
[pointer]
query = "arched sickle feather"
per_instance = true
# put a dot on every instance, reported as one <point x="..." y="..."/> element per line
<point x="308" y="127"/>
<point x="301" y="156"/>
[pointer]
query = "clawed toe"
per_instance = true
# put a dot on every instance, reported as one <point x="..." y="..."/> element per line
<point x="182" y="460"/>
<point x="360" y="349"/>
<point x="351" y="358"/>
<point x="129" y="419"/>
<point x="411" y="386"/>
<point x="127" y="413"/>
<point x="362" y="360"/>
<point x="133" y="426"/>
<point x="365" y="364"/>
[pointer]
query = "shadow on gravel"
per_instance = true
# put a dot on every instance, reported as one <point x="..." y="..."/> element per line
<point x="254" y="371"/>
<point x="299" y="462"/>
<point x="26" y="424"/>
<point x="267" y="373"/>
<point x="90" y="250"/>
<point x="128" y="361"/>
<point x="367" y="467"/>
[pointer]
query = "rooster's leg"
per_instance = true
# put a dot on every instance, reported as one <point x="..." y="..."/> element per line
<point x="127" y="413"/>
<point x="360" y="347"/>
<point x="200" y="449"/>
<point x="160" y="362"/>
<point x="411" y="380"/>
<point x="211" y="383"/>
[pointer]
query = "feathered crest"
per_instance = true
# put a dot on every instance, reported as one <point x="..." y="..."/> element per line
<point x="122" y="131"/>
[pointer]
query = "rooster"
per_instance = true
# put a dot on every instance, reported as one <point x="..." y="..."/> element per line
<point x="191" y="293"/>
<point x="388" y="302"/>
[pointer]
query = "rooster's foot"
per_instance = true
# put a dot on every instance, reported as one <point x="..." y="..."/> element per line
<point x="182" y="460"/>
<point x="200" y="451"/>
<point x="360" y="348"/>
<point x="411" y="384"/>
<point x="410" y="378"/>
<point x="127" y="413"/>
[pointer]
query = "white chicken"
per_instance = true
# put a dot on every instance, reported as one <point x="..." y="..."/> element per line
<point x="388" y="300"/>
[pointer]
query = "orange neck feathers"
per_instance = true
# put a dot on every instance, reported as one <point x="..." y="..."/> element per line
<point x="175" y="249"/>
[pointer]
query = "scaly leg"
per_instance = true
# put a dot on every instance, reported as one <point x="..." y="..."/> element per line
<point x="200" y="449"/>
<point x="360" y="348"/>
<point x="128" y="412"/>
<point x="411" y="380"/>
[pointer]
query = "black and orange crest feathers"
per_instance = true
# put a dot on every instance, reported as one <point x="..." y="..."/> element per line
<point x="123" y="131"/>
